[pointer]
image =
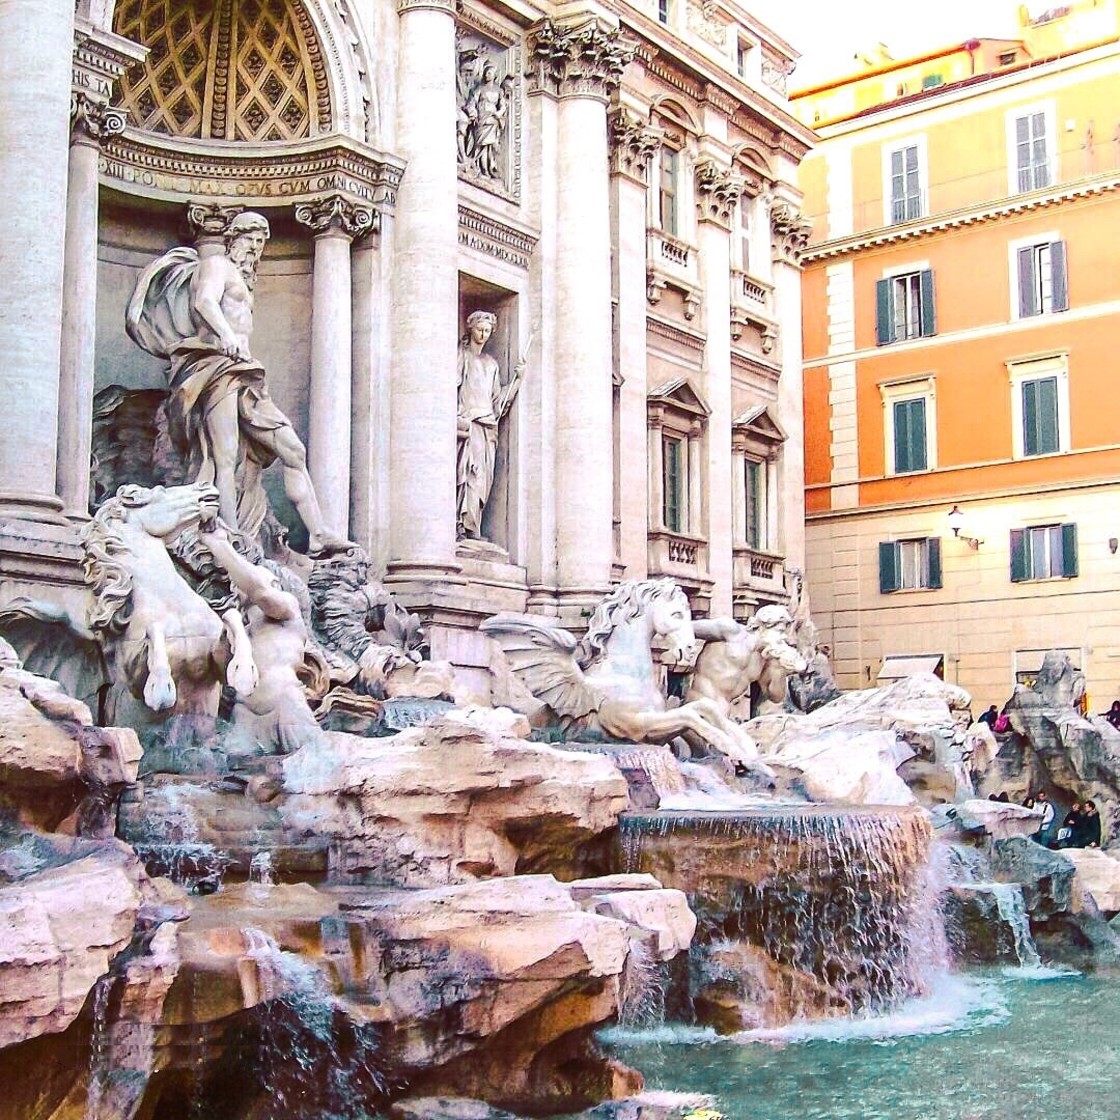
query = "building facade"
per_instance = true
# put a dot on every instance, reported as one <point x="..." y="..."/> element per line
<point x="614" y="184"/>
<point x="961" y="305"/>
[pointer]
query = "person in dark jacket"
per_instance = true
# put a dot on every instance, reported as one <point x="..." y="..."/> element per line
<point x="1090" y="832"/>
<point x="989" y="717"/>
<point x="1113" y="714"/>
<point x="1070" y="831"/>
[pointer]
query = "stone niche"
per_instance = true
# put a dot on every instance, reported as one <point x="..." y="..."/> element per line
<point x="500" y="517"/>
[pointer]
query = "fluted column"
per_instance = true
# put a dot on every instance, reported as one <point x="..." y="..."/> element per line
<point x="580" y="63"/>
<point x="738" y="498"/>
<point x="633" y="146"/>
<point x="717" y="190"/>
<point x="92" y="122"/>
<point x="423" y="388"/>
<point x="335" y="222"/>
<point x="36" y="40"/>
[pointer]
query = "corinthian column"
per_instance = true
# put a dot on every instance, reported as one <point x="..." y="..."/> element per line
<point x="422" y="407"/>
<point x="36" y="40"/>
<point x="580" y="63"/>
<point x="716" y="193"/>
<point x="92" y="122"/>
<point x="335" y="221"/>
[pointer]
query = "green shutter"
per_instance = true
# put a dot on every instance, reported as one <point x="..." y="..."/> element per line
<point x="1059" y="288"/>
<point x="883" y="316"/>
<point x="1030" y="418"/>
<point x="929" y="310"/>
<point x="1020" y="556"/>
<point x="933" y="545"/>
<point x="1028" y="288"/>
<point x="1047" y="415"/>
<point x="888" y="567"/>
<point x="910" y="436"/>
<point x="1069" y="550"/>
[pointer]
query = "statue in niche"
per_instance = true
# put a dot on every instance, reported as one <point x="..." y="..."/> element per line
<point x="195" y="309"/>
<point x="482" y="116"/>
<point x="483" y="401"/>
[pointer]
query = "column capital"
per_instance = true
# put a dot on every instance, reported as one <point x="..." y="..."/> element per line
<point x="209" y="221"/>
<point x="717" y="191"/>
<point x="632" y="143"/>
<point x="578" y="59"/>
<point x="337" y="216"/>
<point x="446" y="6"/>
<point x="789" y="232"/>
<point x="92" y="121"/>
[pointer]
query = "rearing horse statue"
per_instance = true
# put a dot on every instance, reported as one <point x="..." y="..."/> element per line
<point x="607" y="681"/>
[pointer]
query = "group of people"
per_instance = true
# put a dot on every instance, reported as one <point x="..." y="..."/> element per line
<point x="1080" y="828"/>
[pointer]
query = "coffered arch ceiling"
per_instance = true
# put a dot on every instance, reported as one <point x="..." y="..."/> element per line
<point x="225" y="70"/>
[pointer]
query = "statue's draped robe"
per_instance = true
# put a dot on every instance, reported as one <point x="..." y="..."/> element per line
<point x="159" y="320"/>
<point x="480" y="390"/>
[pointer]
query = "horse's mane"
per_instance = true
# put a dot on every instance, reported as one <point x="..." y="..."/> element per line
<point x="627" y="601"/>
<point x="108" y="578"/>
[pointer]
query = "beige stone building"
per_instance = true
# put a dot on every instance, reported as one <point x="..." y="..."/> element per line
<point x="613" y="183"/>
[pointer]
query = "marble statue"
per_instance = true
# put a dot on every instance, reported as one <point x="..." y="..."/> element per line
<point x="737" y="655"/>
<point x="275" y="714"/>
<point x="483" y="401"/>
<point x="482" y="116"/>
<point x="146" y="633"/>
<point x="607" y="682"/>
<point x="195" y="309"/>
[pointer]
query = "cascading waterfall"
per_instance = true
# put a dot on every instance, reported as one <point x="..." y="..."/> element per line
<point x="840" y="900"/>
<point x="98" y="1047"/>
<point x="170" y="845"/>
<point x="1013" y="910"/>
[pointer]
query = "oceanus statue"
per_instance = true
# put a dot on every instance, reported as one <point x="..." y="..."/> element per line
<point x="607" y="681"/>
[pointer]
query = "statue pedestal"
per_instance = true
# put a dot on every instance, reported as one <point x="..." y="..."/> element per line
<point x="38" y="554"/>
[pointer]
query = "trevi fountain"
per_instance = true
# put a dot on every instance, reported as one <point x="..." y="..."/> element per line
<point x="363" y="751"/>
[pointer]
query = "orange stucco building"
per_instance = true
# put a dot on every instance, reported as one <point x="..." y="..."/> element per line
<point x="961" y="320"/>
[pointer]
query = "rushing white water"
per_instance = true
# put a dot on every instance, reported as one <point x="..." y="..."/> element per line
<point x="1013" y="910"/>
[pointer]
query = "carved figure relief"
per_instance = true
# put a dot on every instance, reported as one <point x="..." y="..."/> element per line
<point x="485" y="94"/>
<point x="196" y="310"/>
<point x="483" y="402"/>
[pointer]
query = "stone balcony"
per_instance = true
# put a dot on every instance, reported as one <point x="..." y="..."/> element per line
<point x="758" y="576"/>
<point x="753" y="305"/>
<point x="672" y="263"/>
<point x="684" y="557"/>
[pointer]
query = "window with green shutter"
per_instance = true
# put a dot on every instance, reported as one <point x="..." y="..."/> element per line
<point x="910" y="565"/>
<point x="905" y="307"/>
<point x="1040" y="416"/>
<point x="670" y="168"/>
<point x="1042" y="279"/>
<point x="756" y="502"/>
<point x="673" y="504"/>
<point x="1044" y="552"/>
<point x="910" y="445"/>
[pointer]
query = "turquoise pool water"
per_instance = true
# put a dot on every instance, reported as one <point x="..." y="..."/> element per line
<point x="1011" y="1045"/>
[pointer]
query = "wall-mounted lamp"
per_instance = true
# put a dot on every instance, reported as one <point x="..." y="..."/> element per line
<point x="956" y="520"/>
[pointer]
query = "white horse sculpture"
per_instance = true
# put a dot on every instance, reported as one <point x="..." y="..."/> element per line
<point x="607" y="681"/>
<point x="144" y="631"/>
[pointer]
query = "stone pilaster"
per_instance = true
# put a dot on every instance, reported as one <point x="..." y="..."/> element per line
<point x="580" y="64"/>
<point x="335" y="222"/>
<point x="717" y="191"/>
<point x="99" y="59"/>
<point x="423" y="376"/>
<point x="36" y="38"/>
<point x="790" y="234"/>
<point x="633" y="147"/>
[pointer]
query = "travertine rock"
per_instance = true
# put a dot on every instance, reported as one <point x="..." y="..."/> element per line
<point x="450" y="802"/>
<point x="1098" y="873"/>
<point x="1045" y="876"/>
<point x="59" y="930"/>
<point x="1002" y="820"/>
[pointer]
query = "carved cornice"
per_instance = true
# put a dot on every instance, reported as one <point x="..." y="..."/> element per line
<point x="675" y="334"/>
<point x="447" y="6"/>
<point x="577" y="60"/>
<point x="92" y="121"/>
<point x="717" y="191"/>
<point x="334" y="215"/>
<point x="960" y="219"/>
<point x="720" y="99"/>
<point x="496" y="239"/>
<point x="790" y="233"/>
<point x="142" y="163"/>
<point x="632" y="143"/>
<point x="99" y="59"/>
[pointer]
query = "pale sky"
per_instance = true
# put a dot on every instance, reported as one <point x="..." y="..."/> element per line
<point x="829" y="32"/>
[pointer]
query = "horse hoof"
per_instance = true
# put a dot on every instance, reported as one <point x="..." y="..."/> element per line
<point x="159" y="692"/>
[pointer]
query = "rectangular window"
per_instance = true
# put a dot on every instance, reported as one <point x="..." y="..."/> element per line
<point x="675" y="484"/>
<point x="1031" y="159"/>
<point x="670" y="162"/>
<point x="663" y="11"/>
<point x="932" y="81"/>
<point x="1042" y="278"/>
<point x="910" y="565"/>
<point x="1040" y="416"/>
<point x="1007" y="58"/>
<point x="741" y="52"/>
<point x="906" y="191"/>
<point x="756" y="503"/>
<point x="910" y="435"/>
<point x="1044" y="552"/>
<point x="905" y="307"/>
